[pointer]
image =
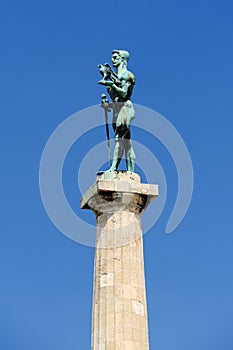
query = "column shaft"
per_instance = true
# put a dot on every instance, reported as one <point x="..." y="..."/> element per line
<point x="119" y="301"/>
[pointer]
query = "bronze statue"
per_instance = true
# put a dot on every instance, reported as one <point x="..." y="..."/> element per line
<point x="119" y="87"/>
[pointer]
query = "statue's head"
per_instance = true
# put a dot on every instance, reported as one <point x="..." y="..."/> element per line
<point x="119" y="56"/>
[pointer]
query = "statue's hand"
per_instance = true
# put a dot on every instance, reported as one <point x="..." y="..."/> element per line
<point x="102" y="82"/>
<point x="109" y="83"/>
<point x="106" y="82"/>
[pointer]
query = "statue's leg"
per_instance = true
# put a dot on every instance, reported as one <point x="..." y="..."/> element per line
<point x="121" y="130"/>
<point x="130" y="156"/>
<point x="118" y="153"/>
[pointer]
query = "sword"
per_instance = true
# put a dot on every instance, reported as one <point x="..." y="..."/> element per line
<point x="105" y="106"/>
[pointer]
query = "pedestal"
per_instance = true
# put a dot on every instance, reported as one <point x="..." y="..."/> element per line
<point x="119" y="319"/>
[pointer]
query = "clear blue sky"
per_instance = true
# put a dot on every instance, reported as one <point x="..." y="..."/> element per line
<point x="181" y="54"/>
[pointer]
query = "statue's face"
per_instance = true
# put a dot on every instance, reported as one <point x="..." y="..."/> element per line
<point x="116" y="59"/>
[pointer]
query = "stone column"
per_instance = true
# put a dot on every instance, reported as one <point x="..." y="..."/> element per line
<point x="119" y="319"/>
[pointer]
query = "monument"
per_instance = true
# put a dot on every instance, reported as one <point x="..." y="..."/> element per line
<point x="118" y="199"/>
<point x="120" y="87"/>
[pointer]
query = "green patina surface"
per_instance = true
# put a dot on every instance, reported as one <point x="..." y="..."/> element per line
<point x="120" y="84"/>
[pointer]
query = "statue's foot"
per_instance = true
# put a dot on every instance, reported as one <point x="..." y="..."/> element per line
<point x="109" y="174"/>
<point x="110" y="170"/>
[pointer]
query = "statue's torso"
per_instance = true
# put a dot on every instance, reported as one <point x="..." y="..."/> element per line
<point x="125" y="77"/>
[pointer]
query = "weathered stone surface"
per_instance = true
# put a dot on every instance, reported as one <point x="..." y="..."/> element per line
<point x="119" y="318"/>
<point x="118" y="191"/>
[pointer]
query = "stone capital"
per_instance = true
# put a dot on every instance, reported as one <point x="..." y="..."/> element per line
<point x="118" y="191"/>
